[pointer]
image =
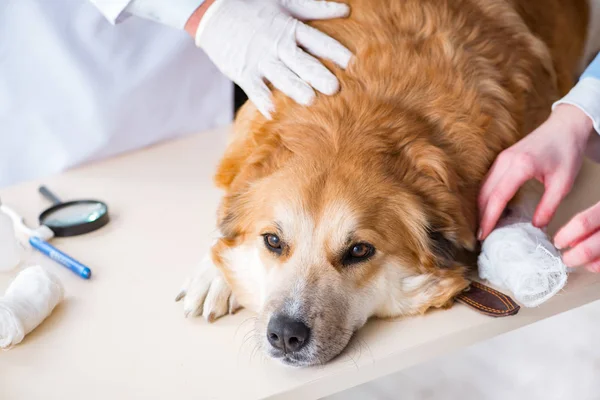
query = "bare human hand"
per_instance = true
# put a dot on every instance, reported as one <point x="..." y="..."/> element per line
<point x="582" y="236"/>
<point x="552" y="154"/>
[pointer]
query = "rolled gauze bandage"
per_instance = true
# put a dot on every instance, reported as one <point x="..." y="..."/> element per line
<point x="520" y="258"/>
<point x="29" y="299"/>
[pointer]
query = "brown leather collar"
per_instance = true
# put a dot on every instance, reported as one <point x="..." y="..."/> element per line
<point x="488" y="301"/>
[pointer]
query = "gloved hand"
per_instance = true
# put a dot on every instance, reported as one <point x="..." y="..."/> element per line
<point x="253" y="40"/>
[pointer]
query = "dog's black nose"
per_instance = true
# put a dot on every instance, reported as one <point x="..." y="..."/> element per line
<point x="287" y="334"/>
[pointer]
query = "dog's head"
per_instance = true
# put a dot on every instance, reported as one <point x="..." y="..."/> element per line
<point x="329" y="220"/>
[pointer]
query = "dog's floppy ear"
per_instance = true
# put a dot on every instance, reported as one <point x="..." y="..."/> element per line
<point x="451" y="227"/>
<point x="232" y="217"/>
<point x="254" y="153"/>
<point x="434" y="179"/>
<point x="451" y="232"/>
<point x="248" y="123"/>
<point x="442" y="248"/>
<point x="447" y="253"/>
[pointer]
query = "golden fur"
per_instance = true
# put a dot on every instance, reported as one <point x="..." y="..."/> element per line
<point x="437" y="89"/>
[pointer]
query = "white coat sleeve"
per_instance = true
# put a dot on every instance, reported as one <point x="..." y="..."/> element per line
<point x="586" y="94"/>
<point x="174" y="13"/>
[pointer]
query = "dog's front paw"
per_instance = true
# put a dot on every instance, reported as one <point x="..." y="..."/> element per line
<point x="207" y="293"/>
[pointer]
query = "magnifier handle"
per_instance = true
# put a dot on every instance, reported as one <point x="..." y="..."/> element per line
<point x="49" y="195"/>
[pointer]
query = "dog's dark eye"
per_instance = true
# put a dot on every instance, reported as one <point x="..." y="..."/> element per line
<point x="358" y="252"/>
<point x="273" y="243"/>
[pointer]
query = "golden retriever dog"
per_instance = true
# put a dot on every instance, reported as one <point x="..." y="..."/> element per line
<point x="363" y="204"/>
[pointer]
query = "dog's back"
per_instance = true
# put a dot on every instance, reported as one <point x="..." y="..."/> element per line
<point x="480" y="74"/>
<point x="516" y="45"/>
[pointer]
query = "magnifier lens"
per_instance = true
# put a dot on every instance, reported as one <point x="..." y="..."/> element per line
<point x="76" y="214"/>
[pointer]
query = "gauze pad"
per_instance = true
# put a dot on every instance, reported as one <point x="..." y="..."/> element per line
<point x="520" y="258"/>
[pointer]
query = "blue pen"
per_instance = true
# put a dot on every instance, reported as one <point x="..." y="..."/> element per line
<point x="60" y="257"/>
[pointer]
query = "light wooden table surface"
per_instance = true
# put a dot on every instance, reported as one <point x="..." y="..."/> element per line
<point x="122" y="336"/>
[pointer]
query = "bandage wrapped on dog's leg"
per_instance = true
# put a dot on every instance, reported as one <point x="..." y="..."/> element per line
<point x="29" y="299"/>
<point x="520" y="258"/>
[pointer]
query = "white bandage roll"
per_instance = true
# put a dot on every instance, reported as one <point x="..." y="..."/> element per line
<point x="521" y="258"/>
<point x="29" y="299"/>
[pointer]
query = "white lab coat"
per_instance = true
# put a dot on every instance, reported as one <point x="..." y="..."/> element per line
<point x="74" y="88"/>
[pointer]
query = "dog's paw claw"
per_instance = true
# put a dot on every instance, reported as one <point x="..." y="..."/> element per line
<point x="234" y="306"/>
<point x="216" y="303"/>
<point x="206" y="294"/>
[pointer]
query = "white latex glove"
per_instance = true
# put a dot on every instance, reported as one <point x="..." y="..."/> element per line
<point x="254" y="40"/>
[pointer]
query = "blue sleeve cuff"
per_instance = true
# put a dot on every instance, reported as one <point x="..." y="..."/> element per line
<point x="593" y="70"/>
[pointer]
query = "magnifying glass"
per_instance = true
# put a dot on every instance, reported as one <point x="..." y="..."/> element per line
<point x="73" y="218"/>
